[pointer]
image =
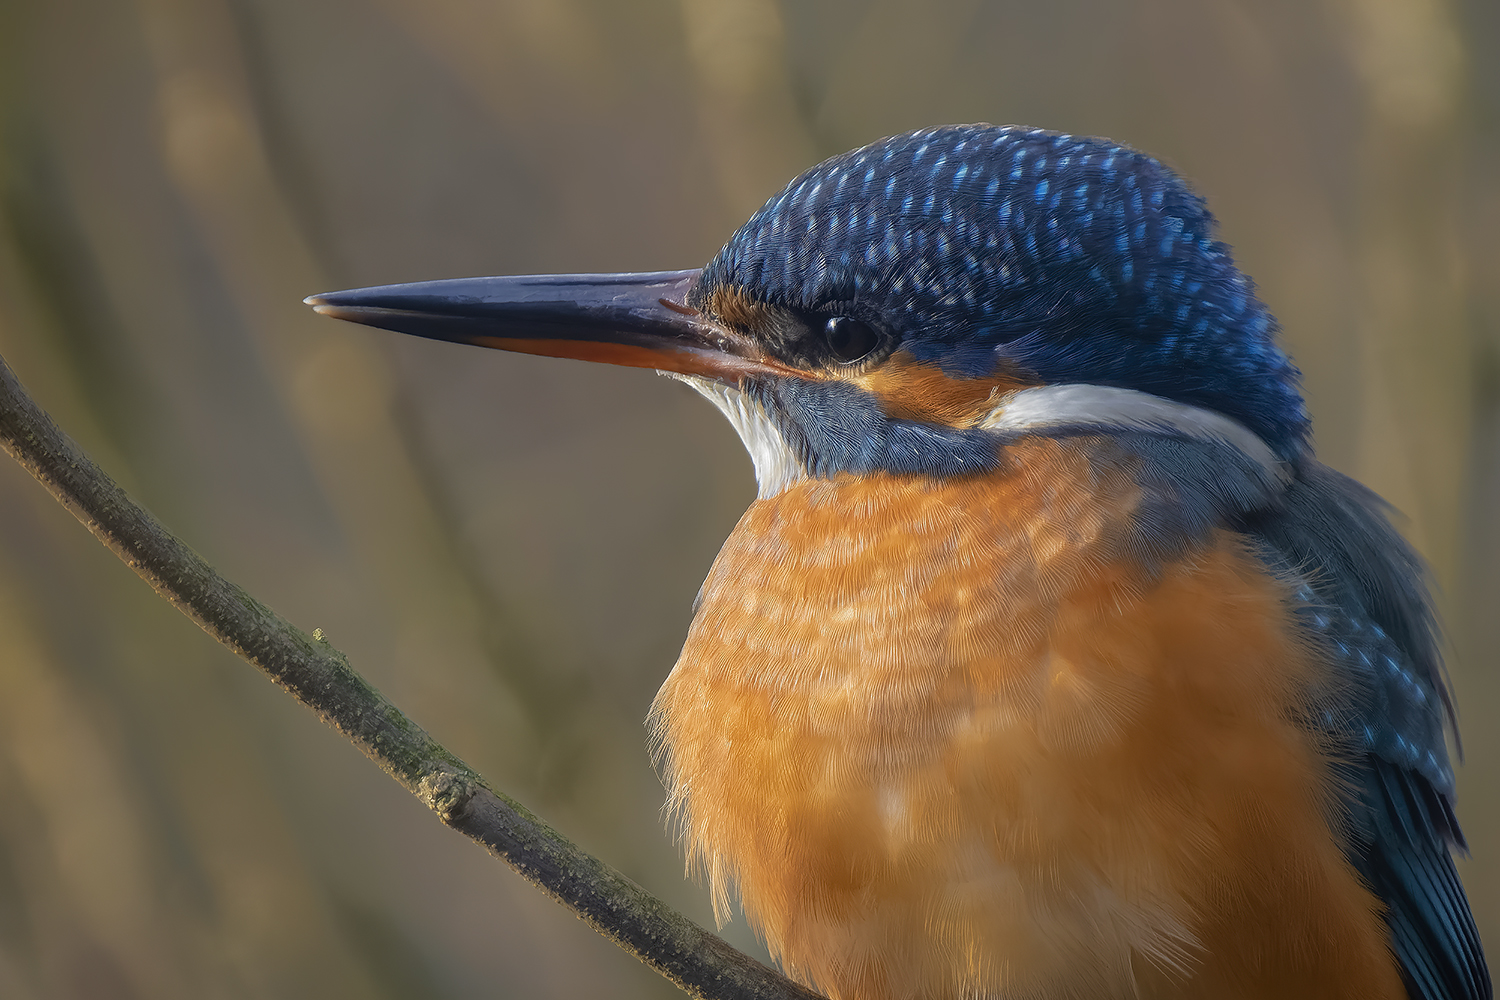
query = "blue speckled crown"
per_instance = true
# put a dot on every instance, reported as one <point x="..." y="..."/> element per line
<point x="1077" y="259"/>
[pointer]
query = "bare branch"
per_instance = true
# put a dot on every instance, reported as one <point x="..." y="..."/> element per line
<point x="320" y="677"/>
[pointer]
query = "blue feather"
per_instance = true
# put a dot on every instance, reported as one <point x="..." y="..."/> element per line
<point x="984" y="260"/>
<point x="1369" y="610"/>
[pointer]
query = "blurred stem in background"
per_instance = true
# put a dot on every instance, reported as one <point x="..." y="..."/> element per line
<point x="548" y="691"/>
<point x="342" y="391"/>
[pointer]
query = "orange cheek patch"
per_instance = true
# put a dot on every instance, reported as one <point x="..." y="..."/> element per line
<point x="910" y="390"/>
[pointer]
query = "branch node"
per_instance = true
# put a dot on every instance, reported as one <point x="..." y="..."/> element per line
<point x="446" y="793"/>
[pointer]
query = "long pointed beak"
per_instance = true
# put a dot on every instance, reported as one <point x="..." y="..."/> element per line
<point x="637" y="320"/>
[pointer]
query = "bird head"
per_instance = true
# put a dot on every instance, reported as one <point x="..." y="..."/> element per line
<point x="891" y="305"/>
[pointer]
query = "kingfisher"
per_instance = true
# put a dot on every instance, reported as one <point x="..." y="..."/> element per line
<point x="1048" y="661"/>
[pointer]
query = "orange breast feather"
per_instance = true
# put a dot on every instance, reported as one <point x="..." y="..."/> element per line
<point x="944" y="739"/>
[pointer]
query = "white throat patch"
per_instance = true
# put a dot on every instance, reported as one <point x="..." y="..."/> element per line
<point x="776" y="465"/>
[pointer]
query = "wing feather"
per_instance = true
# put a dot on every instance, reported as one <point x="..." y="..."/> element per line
<point x="1366" y="604"/>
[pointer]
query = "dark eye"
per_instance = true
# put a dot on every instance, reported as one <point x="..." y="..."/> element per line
<point x="849" y="339"/>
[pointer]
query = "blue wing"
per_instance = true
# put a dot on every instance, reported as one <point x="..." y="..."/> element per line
<point x="1365" y="602"/>
<point x="1363" y="599"/>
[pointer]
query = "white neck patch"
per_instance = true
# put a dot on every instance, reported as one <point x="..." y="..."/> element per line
<point x="1106" y="407"/>
<point x="776" y="465"/>
<point x="1050" y="406"/>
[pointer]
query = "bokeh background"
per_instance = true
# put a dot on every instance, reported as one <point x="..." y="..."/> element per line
<point x="509" y="546"/>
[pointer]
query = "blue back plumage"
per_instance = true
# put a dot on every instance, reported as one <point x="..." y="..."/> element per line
<point x="1361" y="599"/>
<point x="1364" y="602"/>
<point x="1076" y="259"/>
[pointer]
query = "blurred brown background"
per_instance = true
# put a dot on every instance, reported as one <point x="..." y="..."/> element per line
<point x="509" y="546"/>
